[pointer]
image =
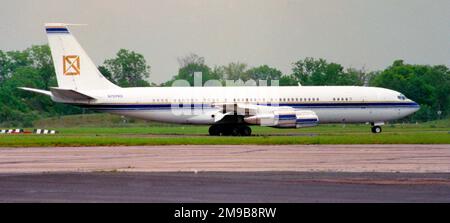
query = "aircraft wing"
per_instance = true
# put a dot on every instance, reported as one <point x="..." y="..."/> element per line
<point x="275" y="116"/>
<point x="248" y="109"/>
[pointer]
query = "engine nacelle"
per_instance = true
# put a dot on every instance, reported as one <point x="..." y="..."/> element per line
<point x="285" y="119"/>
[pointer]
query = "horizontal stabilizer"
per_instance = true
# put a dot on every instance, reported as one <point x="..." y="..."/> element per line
<point x="69" y="94"/>
<point x="39" y="91"/>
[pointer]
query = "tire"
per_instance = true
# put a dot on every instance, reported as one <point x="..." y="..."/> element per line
<point x="376" y="129"/>
<point x="230" y="130"/>
<point x="225" y="130"/>
<point x="246" y="131"/>
<point x="235" y="131"/>
<point x="214" y="130"/>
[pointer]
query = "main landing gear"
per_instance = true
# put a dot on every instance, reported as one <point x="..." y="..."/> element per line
<point x="230" y="130"/>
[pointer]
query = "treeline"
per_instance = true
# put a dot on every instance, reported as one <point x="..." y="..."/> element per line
<point x="427" y="85"/>
<point x="33" y="67"/>
<point x="309" y="71"/>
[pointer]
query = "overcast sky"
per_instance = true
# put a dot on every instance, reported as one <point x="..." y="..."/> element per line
<point x="355" y="33"/>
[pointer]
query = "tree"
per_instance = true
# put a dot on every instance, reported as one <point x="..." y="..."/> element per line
<point x="33" y="68"/>
<point x="319" y="72"/>
<point x="16" y="106"/>
<point x="5" y="68"/>
<point x="427" y="85"/>
<point x="264" y="72"/>
<point x="128" y="69"/>
<point x="236" y="71"/>
<point x="192" y="58"/>
<point x="218" y="73"/>
<point x="288" y="80"/>
<point x="41" y="59"/>
<point x="18" y="59"/>
<point x="106" y="73"/>
<point x="191" y="64"/>
<point x="187" y="73"/>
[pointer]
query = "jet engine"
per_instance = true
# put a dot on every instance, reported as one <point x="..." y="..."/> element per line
<point x="285" y="119"/>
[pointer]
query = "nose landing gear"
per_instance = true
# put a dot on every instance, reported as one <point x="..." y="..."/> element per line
<point x="376" y="127"/>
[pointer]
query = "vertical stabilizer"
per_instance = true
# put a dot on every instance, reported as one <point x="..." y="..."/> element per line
<point x="74" y="69"/>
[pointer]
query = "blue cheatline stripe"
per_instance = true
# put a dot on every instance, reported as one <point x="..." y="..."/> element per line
<point x="350" y="104"/>
<point x="306" y="120"/>
<point x="281" y="119"/>
<point x="287" y="116"/>
<point x="206" y="106"/>
<point x="57" y="30"/>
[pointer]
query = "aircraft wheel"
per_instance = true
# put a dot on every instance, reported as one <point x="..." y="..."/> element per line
<point x="235" y="131"/>
<point x="214" y="130"/>
<point x="376" y="129"/>
<point x="226" y="130"/>
<point x="246" y="131"/>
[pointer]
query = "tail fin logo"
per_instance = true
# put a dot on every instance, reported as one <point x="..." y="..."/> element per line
<point x="71" y="65"/>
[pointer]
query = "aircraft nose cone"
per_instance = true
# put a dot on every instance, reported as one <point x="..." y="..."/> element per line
<point x="417" y="106"/>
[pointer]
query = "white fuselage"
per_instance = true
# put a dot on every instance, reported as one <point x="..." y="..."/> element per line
<point x="332" y="104"/>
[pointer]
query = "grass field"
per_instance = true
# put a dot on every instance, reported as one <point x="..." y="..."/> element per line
<point x="84" y="132"/>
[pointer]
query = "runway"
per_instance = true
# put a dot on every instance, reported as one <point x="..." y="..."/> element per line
<point x="265" y="187"/>
<point x="227" y="173"/>
<point x="229" y="158"/>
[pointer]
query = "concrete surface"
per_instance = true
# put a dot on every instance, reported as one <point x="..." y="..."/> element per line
<point x="225" y="187"/>
<point x="305" y="158"/>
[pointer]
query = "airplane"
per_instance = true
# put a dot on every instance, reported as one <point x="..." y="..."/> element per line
<point x="230" y="111"/>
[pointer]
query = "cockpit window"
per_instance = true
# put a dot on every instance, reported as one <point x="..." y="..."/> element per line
<point x="401" y="97"/>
